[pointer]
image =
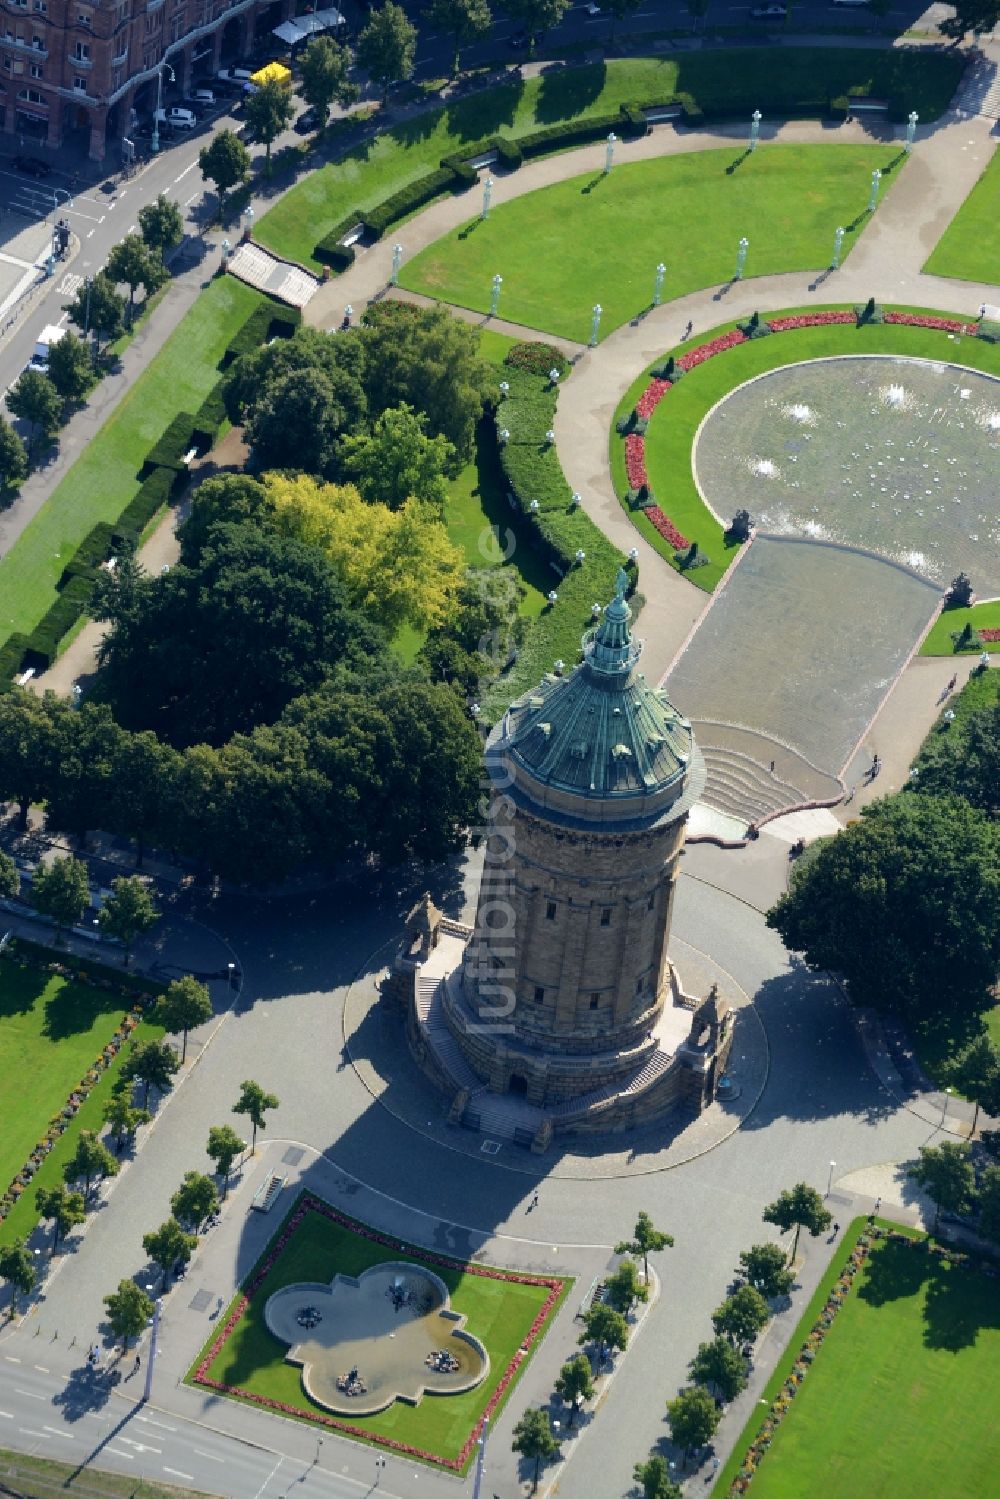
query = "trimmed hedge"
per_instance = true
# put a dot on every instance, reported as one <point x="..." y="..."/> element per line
<point x="210" y="415"/>
<point x="151" y="496"/>
<point x="265" y="322"/>
<point x="339" y="258"/>
<point x="169" y="450"/>
<point x="86" y="969"/>
<point x="12" y="654"/>
<point x="43" y="642"/>
<point x="94" y="549"/>
<point x="558" y="530"/>
<point x="377" y="220"/>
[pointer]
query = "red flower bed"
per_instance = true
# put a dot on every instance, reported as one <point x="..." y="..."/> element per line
<point x="923" y="320"/>
<point x="666" y="528"/>
<point x="990" y="636"/>
<point x="707" y="351"/>
<point x="809" y="320"/>
<point x="651" y="397"/>
<point x="314" y="1205"/>
<point x="635" y="461"/>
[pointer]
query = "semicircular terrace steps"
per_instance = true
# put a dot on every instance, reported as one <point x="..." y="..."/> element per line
<point x="741" y="782"/>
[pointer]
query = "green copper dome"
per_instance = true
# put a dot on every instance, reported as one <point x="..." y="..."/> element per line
<point x="602" y="731"/>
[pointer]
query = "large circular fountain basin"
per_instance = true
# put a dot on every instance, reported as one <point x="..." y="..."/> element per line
<point x="900" y="456"/>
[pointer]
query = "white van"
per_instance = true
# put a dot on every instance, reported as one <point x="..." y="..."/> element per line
<point x="182" y="119"/>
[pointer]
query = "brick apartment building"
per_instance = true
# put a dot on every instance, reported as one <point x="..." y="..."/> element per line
<point x="84" y="66"/>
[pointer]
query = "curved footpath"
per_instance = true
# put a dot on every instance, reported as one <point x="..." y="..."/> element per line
<point x="885" y="262"/>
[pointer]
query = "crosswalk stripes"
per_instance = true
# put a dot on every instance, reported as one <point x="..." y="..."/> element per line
<point x="70" y="284"/>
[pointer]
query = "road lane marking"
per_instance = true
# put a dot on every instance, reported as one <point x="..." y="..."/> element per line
<point x="57" y="1433"/>
<point x="8" y="1417"/>
<point x="188" y="1477"/>
<point x="31" y="1394"/>
<point x="267" y="1480"/>
<point x="190" y="200"/>
<point x="200" y="1451"/>
<point x="141" y="1446"/>
<point x="26" y="1431"/>
<point x="41" y="1367"/>
<point x="150" y="1422"/>
<point x="10" y="1359"/>
<point x="90" y="233"/>
<point x="119" y="1453"/>
<point x="184" y="173"/>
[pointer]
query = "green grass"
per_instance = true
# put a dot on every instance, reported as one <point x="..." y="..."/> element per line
<point x="598" y="238"/>
<point x="103" y="479"/>
<point x="671" y="433"/>
<point x="938" y="641"/>
<point x="901" y="1397"/>
<point x="726" y="83"/>
<point x="968" y="248"/>
<point x="500" y="1313"/>
<point x="33" y="1477"/>
<point x="52" y="1029"/>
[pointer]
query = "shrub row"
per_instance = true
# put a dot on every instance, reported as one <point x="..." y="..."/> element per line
<point x="169" y="450"/>
<point x="43" y="642"/>
<point x="456" y="175"/>
<point x="558" y="530"/>
<point x="265" y="322"/>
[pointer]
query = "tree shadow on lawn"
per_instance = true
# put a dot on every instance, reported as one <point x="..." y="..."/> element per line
<point x="960" y="1300"/>
<point x="74" y="1008"/>
<point x="482" y="115"/>
<point x="20" y="990"/>
<point x="565" y="92"/>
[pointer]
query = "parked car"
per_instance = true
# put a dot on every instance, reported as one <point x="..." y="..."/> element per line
<point x="203" y="96"/>
<point x="31" y="166"/>
<point x="769" y="12"/>
<point x="177" y="116"/>
<point x="307" y="122"/>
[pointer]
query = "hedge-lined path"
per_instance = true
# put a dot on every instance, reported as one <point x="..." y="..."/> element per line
<point x="885" y="262"/>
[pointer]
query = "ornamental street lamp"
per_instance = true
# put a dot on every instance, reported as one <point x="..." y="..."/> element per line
<point x="487" y="197"/>
<point x="495" y="297"/>
<point x="661" y="271"/>
<point x="755" y="120"/>
<point x="609" y="154"/>
<point x="838" y="245"/>
<point x="741" y="257"/>
<point x="873" y="195"/>
<point x="595" y="324"/>
<point x="154" y="144"/>
<point x="397" y="261"/>
<point x="911" y="128"/>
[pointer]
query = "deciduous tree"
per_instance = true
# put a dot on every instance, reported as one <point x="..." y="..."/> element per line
<point x="64" y="1209"/>
<point x="17" y="1268"/>
<point x="396" y="461"/>
<point x="764" y="1268"/>
<point x="324" y="67"/>
<point x="133" y="264"/>
<point x="36" y="401"/>
<point x="387" y="46"/>
<point x="13" y="457"/>
<point x="153" y="1064"/>
<point x="533" y="1439"/>
<point x="128" y="911"/>
<point x="536" y="16"/>
<point x="802" y="1207"/>
<point x="10" y="877"/>
<point x="720" y="1366"/>
<point x="625" y="1287"/>
<point x="186" y="1004"/>
<point x="653" y="1477"/>
<point x="30" y="746"/>
<point x="70" y="368"/>
<point x="255" y="1102"/>
<point x="741" y="1316"/>
<point x="161" y="225"/>
<point x="169" y="1246"/>
<point x="692" y="1418"/>
<point x="129" y="1311"/>
<point x="122" y="1116"/>
<point x="604" y="1328"/>
<point x="463" y="20"/>
<point x="224" y="161"/>
<point x="977" y="1073"/>
<point x="269" y="111"/>
<point x="947" y="1176"/>
<point x="224" y="1145"/>
<point x="989" y="1204"/>
<point x="978" y="16"/>
<point x="646" y="1240"/>
<point x="575" y="1383"/>
<point x="195" y="1200"/>
<point x="905" y="904"/>
<point x="61" y="890"/>
<point x="90" y="1160"/>
<point x="98" y="309"/>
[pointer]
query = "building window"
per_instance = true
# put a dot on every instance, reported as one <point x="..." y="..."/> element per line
<point x="37" y="71"/>
<point x="539" y="994"/>
<point x="40" y="7"/>
<point x="38" y="44"/>
<point x="550" y="911"/>
<point x="79" y="85"/>
<point x="83" y="18"/>
<point x="595" y="1000"/>
<point x="81" y="52"/>
<point x="31" y="96"/>
<point x="640" y="984"/>
<point x="606" y="916"/>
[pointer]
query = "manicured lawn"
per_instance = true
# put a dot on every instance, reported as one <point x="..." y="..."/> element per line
<point x="598" y="238"/>
<point x="727" y="83"/>
<point x="52" y="1029"/>
<point x="901" y="1397"/>
<point x="675" y="421"/>
<point x="103" y="479"/>
<point x="968" y="248"/>
<point x="498" y="1312"/>
<point x="41" y="1477"/>
<point x="480" y="522"/>
<point x="980" y="616"/>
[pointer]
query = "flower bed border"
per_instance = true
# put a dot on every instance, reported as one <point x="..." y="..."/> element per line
<point x="659" y="385"/>
<point x="24" y="954"/>
<point x="307" y="1204"/>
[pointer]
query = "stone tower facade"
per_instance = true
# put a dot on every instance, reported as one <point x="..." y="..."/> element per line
<point x="560" y="1003"/>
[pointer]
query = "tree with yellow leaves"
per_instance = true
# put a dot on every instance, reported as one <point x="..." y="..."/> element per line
<point x="398" y="566"/>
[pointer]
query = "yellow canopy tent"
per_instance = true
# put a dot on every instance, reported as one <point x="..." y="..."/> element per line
<point x="272" y="72"/>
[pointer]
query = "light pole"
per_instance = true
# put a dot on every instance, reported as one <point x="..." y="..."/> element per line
<point x="495" y="296"/>
<point x="829" y="1180"/>
<point x="477" y="1482"/>
<point x="609" y="155"/>
<point x="379" y="1470"/>
<point x="154" y="144"/>
<point x="661" y="271"/>
<point x="248" y="217"/>
<point x="595" y="324"/>
<point x="741" y="257"/>
<point x="397" y="261"/>
<point x="755" y="120"/>
<point x="487" y="196"/>
<point x="911" y="128"/>
<point x="873" y="195"/>
<point x="151" y="1357"/>
<point x="838" y="245"/>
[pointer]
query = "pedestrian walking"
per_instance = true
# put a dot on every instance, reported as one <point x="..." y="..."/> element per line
<point x="951" y="684"/>
<point x="878" y="1204"/>
<point x="137" y="1365"/>
<point x="534" y="1200"/>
